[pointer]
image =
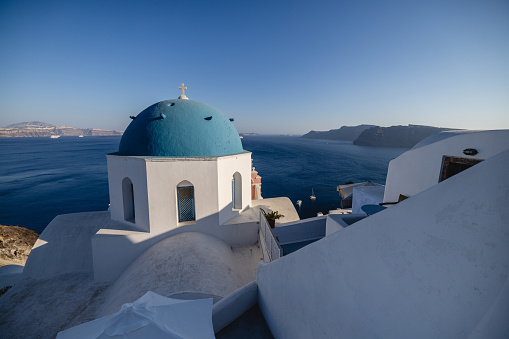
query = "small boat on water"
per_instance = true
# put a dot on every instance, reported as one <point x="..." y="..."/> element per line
<point x="80" y="136"/>
<point x="312" y="196"/>
<point x="54" y="136"/>
<point x="299" y="202"/>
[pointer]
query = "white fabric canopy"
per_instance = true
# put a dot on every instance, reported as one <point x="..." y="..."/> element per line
<point x="151" y="316"/>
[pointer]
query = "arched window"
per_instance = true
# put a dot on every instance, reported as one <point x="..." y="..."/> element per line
<point x="185" y="197"/>
<point x="237" y="191"/>
<point x="128" y="199"/>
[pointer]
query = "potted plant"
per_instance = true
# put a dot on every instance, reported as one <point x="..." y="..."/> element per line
<point x="271" y="217"/>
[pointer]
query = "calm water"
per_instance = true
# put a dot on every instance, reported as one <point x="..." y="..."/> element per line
<point x="292" y="166"/>
<point x="41" y="178"/>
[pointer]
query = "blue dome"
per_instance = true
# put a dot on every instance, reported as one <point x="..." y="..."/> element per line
<point x="180" y="128"/>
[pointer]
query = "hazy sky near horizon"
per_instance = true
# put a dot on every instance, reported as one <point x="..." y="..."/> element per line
<point x="274" y="66"/>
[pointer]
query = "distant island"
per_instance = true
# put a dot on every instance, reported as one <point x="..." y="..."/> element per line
<point x="396" y="136"/>
<point x="346" y="133"/>
<point x="370" y="135"/>
<point x="43" y="129"/>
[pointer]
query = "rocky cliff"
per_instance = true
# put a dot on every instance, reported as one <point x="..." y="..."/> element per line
<point x="42" y="129"/>
<point x="347" y="133"/>
<point x="396" y="136"/>
<point x="15" y="244"/>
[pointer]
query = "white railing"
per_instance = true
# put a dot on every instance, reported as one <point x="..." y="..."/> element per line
<point x="275" y="252"/>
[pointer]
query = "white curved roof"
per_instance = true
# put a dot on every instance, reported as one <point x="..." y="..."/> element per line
<point x="192" y="261"/>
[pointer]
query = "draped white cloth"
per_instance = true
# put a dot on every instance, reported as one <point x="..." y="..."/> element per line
<point x="151" y="316"/>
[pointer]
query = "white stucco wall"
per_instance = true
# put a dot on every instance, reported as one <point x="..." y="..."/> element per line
<point x="419" y="169"/>
<point x="155" y="181"/>
<point x="113" y="250"/>
<point x="433" y="266"/>
<point x="134" y="168"/>
<point x="163" y="176"/>
<point x="226" y="167"/>
<point x="64" y="246"/>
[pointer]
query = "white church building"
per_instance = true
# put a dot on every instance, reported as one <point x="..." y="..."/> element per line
<point x="180" y="162"/>
<point x="180" y="167"/>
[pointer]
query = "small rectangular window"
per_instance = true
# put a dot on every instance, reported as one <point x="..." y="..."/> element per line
<point x="454" y="165"/>
<point x="186" y="203"/>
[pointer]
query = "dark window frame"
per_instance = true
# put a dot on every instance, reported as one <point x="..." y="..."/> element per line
<point x="452" y="165"/>
<point x="185" y="216"/>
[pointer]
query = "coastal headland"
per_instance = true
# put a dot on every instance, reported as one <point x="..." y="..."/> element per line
<point x="376" y="136"/>
<point x="43" y="129"/>
<point x="15" y="244"/>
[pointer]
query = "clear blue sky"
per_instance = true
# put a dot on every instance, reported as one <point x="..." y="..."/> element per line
<point x="276" y="67"/>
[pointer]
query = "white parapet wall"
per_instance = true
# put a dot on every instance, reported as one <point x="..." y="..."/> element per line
<point x="419" y="168"/>
<point x="113" y="250"/>
<point x="334" y="224"/>
<point x="64" y="246"/>
<point x="234" y="305"/>
<point x="186" y="264"/>
<point x="433" y="266"/>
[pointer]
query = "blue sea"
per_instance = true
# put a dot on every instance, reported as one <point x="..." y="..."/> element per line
<point x="41" y="178"/>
